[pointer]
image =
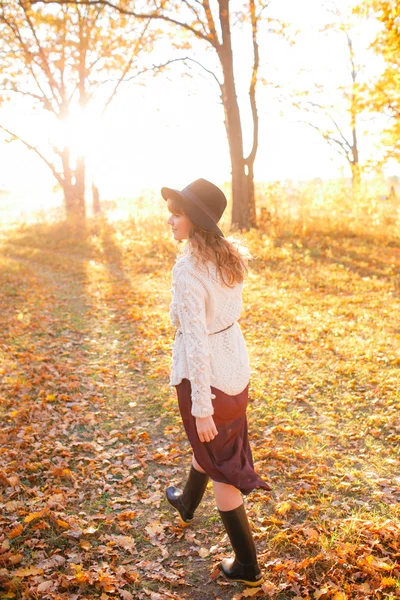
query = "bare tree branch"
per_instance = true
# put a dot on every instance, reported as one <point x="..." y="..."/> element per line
<point x="124" y="11"/>
<point x="14" y="136"/>
<point x="327" y="137"/>
<point x="15" y="90"/>
<point x="174" y="60"/>
<point x="127" y="68"/>
<point x="324" y="110"/>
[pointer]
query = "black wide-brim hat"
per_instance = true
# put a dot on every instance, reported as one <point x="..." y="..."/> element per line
<point x="202" y="201"/>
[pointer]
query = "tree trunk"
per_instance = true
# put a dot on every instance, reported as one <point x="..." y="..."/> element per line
<point x="80" y="173"/>
<point x="355" y="180"/>
<point x="240" y="212"/>
<point x="355" y="165"/>
<point x="74" y="192"/>
<point x="95" y="199"/>
<point x="251" y="199"/>
<point x="69" y="201"/>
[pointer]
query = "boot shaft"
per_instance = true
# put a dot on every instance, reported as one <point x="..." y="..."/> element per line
<point x="238" y="529"/>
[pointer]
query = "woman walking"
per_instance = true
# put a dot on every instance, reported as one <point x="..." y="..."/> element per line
<point x="210" y="369"/>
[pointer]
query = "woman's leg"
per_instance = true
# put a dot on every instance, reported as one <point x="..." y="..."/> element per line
<point x="244" y="566"/>
<point x="186" y="501"/>
<point x="227" y="497"/>
<point x="196" y="465"/>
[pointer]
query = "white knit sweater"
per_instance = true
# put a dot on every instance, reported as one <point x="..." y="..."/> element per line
<point x="201" y="305"/>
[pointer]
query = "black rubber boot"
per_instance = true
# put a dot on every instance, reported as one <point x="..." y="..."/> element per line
<point x="243" y="567"/>
<point x="187" y="501"/>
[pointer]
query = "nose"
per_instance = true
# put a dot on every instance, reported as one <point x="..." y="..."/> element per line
<point x="169" y="220"/>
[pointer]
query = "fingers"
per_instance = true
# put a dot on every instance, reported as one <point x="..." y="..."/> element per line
<point x="208" y="435"/>
<point x="206" y="429"/>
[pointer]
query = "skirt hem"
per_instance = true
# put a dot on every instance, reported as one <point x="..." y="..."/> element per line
<point x="227" y="458"/>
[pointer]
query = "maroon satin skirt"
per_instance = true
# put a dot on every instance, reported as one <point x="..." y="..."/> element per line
<point x="227" y="458"/>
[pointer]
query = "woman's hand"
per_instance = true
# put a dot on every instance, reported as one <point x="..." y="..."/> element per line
<point x="206" y="428"/>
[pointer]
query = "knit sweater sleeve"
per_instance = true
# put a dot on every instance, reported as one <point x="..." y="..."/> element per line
<point x="191" y="308"/>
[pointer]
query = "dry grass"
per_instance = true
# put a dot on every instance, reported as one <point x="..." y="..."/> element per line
<point x="91" y="433"/>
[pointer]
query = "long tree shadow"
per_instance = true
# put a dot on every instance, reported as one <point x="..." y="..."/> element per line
<point x="77" y="348"/>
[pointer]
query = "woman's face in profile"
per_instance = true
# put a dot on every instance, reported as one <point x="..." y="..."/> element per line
<point x="180" y="224"/>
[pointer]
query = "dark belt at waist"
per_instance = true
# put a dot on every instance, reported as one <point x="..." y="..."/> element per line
<point x="214" y="333"/>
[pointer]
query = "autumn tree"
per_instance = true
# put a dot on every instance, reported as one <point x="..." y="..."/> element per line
<point x="382" y="96"/>
<point x="59" y="59"/>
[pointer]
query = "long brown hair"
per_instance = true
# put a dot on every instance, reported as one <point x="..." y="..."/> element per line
<point x="228" y="255"/>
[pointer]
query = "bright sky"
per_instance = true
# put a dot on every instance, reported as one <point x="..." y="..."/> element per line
<point x="171" y="130"/>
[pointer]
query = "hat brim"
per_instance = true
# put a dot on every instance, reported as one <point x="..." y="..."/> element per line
<point x="194" y="212"/>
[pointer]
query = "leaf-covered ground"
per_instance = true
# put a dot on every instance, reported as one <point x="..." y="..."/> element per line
<point x="91" y="436"/>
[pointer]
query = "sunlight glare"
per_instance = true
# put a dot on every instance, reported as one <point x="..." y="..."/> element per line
<point x="77" y="131"/>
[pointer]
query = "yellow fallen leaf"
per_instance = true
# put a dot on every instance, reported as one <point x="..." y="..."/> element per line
<point x="248" y="592"/>
<point x="16" y="531"/>
<point x="82" y="577"/>
<point x="31" y="517"/>
<point x="132" y="576"/>
<point x="62" y="524"/>
<point x="378" y="564"/>
<point x="284" y="507"/>
<point x="203" y="552"/>
<point x="15" y="558"/>
<point x="28" y="572"/>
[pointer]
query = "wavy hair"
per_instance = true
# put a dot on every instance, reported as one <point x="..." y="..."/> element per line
<point x="229" y="256"/>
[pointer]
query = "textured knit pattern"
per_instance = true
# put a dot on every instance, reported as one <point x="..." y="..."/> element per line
<point x="202" y="305"/>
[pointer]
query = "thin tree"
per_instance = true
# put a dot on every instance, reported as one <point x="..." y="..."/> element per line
<point x="58" y="58"/>
<point x="339" y="130"/>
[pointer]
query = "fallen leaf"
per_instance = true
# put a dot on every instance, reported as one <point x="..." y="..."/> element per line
<point x="18" y="529"/>
<point x="45" y="585"/>
<point x="321" y="592"/>
<point x="125" y="595"/>
<point x="310" y="533"/>
<point x="15" y="558"/>
<point x="249" y="592"/>
<point x="28" y="572"/>
<point x="284" y="507"/>
<point x="268" y="587"/>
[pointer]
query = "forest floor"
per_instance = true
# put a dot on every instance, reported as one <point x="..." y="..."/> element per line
<point x="90" y="432"/>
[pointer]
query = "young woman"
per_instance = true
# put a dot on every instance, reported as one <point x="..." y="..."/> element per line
<point x="210" y="369"/>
